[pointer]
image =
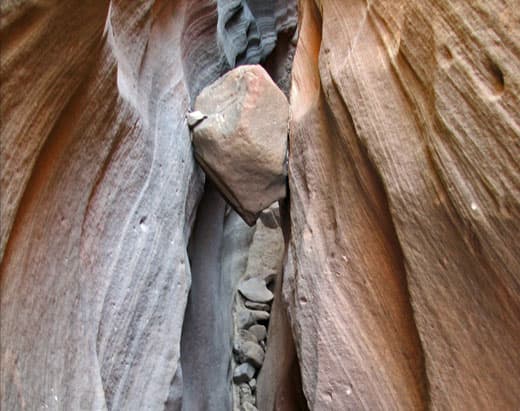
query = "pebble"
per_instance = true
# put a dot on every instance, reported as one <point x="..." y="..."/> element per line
<point x="252" y="384"/>
<point x="246" y="394"/>
<point x="243" y="373"/>
<point x="245" y="335"/>
<point x="251" y="352"/>
<point x="248" y="407"/>
<point x="257" y="306"/>
<point x="258" y="331"/>
<point x="194" y="118"/>
<point x="256" y="290"/>
<point x="247" y="317"/>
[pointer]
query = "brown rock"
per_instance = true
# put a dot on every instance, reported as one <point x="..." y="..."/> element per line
<point x="242" y="144"/>
<point x="405" y="205"/>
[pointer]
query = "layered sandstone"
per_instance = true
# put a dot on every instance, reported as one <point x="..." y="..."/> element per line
<point x="121" y="261"/>
<point x="403" y="268"/>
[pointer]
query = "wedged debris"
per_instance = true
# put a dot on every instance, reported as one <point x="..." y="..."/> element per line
<point x="246" y="318"/>
<point x="255" y="290"/>
<point x="239" y="132"/>
<point x="243" y="373"/>
<point x="249" y="351"/>
<point x="259" y="331"/>
<point x="257" y="306"/>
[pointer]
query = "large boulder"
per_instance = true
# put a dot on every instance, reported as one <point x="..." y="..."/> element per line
<point x="241" y="139"/>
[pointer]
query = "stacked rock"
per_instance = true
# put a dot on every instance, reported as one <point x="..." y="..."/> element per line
<point x="250" y="339"/>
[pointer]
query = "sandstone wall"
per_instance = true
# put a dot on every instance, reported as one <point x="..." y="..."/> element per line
<point x="402" y="279"/>
<point x="401" y="274"/>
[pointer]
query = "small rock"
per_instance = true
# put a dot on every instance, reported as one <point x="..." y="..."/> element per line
<point x="256" y="290"/>
<point x="242" y="145"/>
<point x="252" y="384"/>
<point x="194" y="118"/>
<point x="257" y="306"/>
<point x="245" y="389"/>
<point x="246" y="394"/>
<point x="259" y="331"/>
<point x="246" y="335"/>
<point x="246" y="317"/>
<point x="248" y="407"/>
<point x="243" y="373"/>
<point x="251" y="352"/>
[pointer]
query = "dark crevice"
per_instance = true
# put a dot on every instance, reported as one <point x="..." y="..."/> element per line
<point x="208" y="52"/>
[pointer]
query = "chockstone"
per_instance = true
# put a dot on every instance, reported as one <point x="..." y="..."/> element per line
<point x="255" y="289"/>
<point x="239" y="133"/>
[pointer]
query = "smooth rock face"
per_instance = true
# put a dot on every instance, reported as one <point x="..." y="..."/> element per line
<point x="242" y="144"/>
<point x="255" y="289"/>
<point x="405" y="204"/>
<point x="207" y="327"/>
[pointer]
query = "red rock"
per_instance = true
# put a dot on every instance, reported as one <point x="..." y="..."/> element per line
<point x="404" y="260"/>
<point x="242" y="144"/>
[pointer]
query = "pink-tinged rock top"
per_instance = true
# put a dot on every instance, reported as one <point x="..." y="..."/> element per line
<point x="242" y="143"/>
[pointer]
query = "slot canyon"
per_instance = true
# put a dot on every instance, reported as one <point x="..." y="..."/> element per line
<point x="272" y="205"/>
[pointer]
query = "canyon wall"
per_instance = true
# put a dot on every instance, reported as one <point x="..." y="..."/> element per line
<point x="403" y="271"/>
<point x="401" y="284"/>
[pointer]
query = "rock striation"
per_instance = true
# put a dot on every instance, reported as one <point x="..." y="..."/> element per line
<point x="404" y="256"/>
<point x="99" y="198"/>
<point x="248" y="30"/>
<point x="241" y="142"/>
<point x="128" y="283"/>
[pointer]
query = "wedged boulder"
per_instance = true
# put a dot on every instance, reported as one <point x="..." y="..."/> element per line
<point x="240" y="139"/>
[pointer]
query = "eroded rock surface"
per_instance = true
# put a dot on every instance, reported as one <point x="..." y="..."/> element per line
<point x="99" y="192"/>
<point x="242" y="144"/>
<point x="248" y="29"/>
<point x="401" y="278"/>
<point x="405" y="204"/>
<point x="95" y="273"/>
